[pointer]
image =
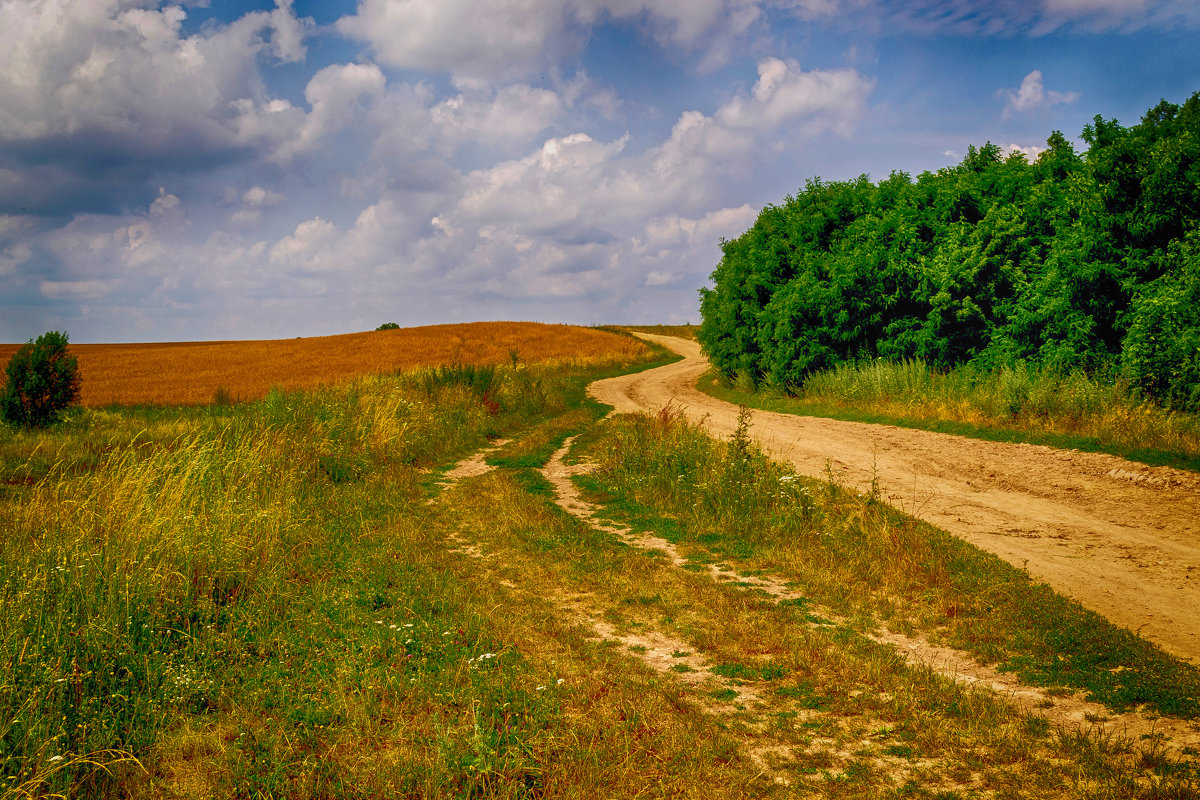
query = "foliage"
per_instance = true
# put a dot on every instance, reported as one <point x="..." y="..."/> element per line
<point x="389" y="326"/>
<point x="42" y="380"/>
<point x="1071" y="261"/>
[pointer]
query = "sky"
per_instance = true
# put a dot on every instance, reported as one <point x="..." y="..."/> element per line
<point x="244" y="169"/>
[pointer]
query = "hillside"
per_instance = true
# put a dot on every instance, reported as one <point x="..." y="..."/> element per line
<point x="185" y="373"/>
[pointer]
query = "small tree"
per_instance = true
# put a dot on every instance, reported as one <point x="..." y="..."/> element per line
<point x="42" y="380"/>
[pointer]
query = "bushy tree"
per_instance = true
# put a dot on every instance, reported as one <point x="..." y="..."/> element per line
<point x="1074" y="261"/>
<point x="1161" y="353"/>
<point x="42" y="381"/>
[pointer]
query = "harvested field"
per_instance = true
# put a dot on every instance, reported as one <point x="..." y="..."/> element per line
<point x="190" y="373"/>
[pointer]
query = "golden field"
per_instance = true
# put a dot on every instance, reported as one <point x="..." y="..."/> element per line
<point x="188" y="373"/>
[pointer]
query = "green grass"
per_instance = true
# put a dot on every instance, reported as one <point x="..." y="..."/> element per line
<point x="276" y="599"/>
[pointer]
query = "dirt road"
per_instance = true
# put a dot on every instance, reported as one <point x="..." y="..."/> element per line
<point x="1121" y="538"/>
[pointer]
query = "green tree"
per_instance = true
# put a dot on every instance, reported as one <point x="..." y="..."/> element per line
<point x="42" y="381"/>
<point x="1161" y="353"/>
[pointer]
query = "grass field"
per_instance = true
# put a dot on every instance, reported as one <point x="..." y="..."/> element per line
<point x="294" y="597"/>
<point x="197" y="372"/>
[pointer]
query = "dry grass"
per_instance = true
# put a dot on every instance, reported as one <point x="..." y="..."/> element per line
<point x="189" y="373"/>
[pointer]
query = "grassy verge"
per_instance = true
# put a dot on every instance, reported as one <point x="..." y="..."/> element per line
<point x="264" y="600"/>
<point x="1021" y="405"/>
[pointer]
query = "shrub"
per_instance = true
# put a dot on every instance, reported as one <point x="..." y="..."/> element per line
<point x="389" y="326"/>
<point x="42" y="380"/>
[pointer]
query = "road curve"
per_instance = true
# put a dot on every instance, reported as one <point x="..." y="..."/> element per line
<point x="1121" y="538"/>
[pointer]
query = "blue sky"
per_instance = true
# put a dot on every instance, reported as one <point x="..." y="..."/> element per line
<point x="235" y="169"/>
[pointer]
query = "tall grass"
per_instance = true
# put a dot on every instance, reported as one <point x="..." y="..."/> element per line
<point x="143" y="549"/>
<point x="1021" y="398"/>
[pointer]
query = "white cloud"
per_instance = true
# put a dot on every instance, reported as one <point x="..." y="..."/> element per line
<point x="511" y="114"/>
<point x="129" y="259"/>
<point x="336" y="95"/>
<point x="577" y="219"/>
<point x="1031" y="152"/>
<point x="680" y="22"/>
<point x="309" y="247"/>
<point x="810" y="9"/>
<point x="118" y="76"/>
<point x="488" y="40"/>
<point x="504" y="40"/>
<point x="831" y="98"/>
<point x="14" y="256"/>
<point x="252" y="202"/>
<point x="1032" y="95"/>
<point x="77" y="290"/>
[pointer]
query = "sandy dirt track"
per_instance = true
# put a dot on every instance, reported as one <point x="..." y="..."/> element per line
<point x="1121" y="538"/>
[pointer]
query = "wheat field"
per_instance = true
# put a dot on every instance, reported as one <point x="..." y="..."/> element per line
<point x="188" y="373"/>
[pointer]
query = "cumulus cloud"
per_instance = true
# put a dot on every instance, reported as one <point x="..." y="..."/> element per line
<point x="336" y="94"/>
<point x="832" y="98"/>
<point x="98" y="95"/>
<point x="1032" y="95"/>
<point x="251" y="204"/>
<point x="498" y="118"/>
<point x="504" y="40"/>
<point x="117" y="75"/>
<point x="496" y="38"/>
<point x="578" y="219"/>
<point x="130" y="261"/>
<point x="14" y="256"/>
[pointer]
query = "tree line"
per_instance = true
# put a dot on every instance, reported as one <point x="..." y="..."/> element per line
<point x="1072" y="261"/>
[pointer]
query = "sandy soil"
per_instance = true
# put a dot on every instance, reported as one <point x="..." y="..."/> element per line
<point x="1121" y="538"/>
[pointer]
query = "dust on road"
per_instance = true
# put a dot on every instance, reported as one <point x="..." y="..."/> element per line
<point x="1121" y="538"/>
